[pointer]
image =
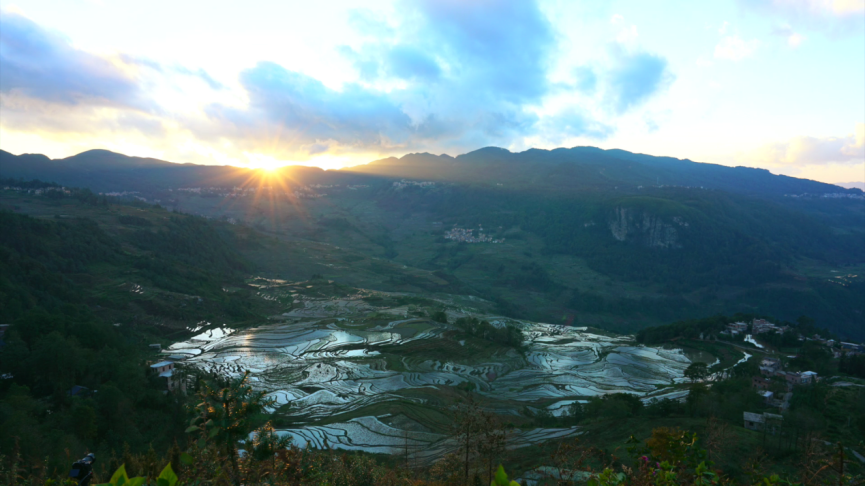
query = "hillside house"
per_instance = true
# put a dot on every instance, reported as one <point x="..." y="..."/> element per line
<point x="856" y="348"/>
<point x="772" y="364"/>
<point x="796" y="378"/>
<point x="737" y="327"/>
<point x="760" y="382"/>
<point x="759" y="326"/>
<point x="167" y="370"/>
<point x="770" y="422"/>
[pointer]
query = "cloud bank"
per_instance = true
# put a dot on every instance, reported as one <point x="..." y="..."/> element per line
<point x="440" y="75"/>
<point x="809" y="151"/>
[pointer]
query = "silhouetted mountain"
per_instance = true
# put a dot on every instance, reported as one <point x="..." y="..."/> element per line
<point x="588" y="168"/>
<point x="104" y="171"/>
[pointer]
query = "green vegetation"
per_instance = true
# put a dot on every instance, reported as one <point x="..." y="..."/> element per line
<point x="506" y="335"/>
<point x="87" y="283"/>
<point x="84" y="296"/>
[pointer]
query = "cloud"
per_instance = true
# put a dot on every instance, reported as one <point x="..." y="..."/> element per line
<point x="634" y="77"/>
<point x="793" y="38"/>
<point x="835" y="16"/>
<point x="442" y="75"/>
<point x="572" y="122"/>
<point x="837" y="8"/>
<point x="503" y="47"/>
<point x="370" y="23"/>
<point x="734" y="48"/>
<point x="42" y="65"/>
<point x="585" y="79"/>
<point x="307" y="113"/>
<point x="804" y="151"/>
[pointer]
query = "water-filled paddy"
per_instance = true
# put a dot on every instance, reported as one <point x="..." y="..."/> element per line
<point x="327" y="362"/>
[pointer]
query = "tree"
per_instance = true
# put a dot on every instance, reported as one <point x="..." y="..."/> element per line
<point x="467" y="428"/>
<point x="227" y="413"/>
<point x="696" y="371"/>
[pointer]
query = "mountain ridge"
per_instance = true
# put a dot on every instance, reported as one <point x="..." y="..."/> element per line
<point x="582" y="167"/>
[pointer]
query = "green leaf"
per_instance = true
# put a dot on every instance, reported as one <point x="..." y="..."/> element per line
<point x="214" y="432"/>
<point x="202" y="443"/>
<point x="186" y="459"/>
<point x="161" y="482"/>
<point x="118" y="474"/>
<point x="593" y="482"/>
<point x="501" y="478"/>
<point x="168" y="475"/>
<point x="193" y="428"/>
<point x="136" y="481"/>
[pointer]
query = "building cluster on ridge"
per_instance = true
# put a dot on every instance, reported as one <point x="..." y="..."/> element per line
<point x="407" y="183"/>
<point x="464" y="235"/>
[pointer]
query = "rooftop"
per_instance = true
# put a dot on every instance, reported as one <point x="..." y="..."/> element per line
<point x="161" y="364"/>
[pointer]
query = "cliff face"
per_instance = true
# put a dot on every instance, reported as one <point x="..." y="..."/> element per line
<point x="645" y="228"/>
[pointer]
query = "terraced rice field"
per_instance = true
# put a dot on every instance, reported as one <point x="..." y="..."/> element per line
<point x="331" y="363"/>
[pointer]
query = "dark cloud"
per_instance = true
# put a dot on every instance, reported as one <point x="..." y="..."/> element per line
<point x="500" y="48"/>
<point x="573" y="123"/>
<point x="634" y="77"/>
<point x="42" y="65"/>
<point x="314" y="113"/>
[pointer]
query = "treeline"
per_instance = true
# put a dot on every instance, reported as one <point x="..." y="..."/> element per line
<point x="74" y="382"/>
<point x="71" y="379"/>
<point x="29" y="184"/>
<point x="506" y="335"/>
<point x="852" y="365"/>
<point x="37" y="257"/>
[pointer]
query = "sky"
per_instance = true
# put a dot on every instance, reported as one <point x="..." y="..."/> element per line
<point x="776" y="84"/>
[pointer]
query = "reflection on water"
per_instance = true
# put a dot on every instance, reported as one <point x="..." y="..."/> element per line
<point x="321" y="369"/>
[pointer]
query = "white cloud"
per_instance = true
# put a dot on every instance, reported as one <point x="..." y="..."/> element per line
<point x="793" y="38"/>
<point x="627" y="35"/>
<point x="806" y="151"/>
<point x="835" y="16"/>
<point x="734" y="48"/>
<point x="834" y="7"/>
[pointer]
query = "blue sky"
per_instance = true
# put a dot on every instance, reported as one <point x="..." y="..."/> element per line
<point x="778" y="84"/>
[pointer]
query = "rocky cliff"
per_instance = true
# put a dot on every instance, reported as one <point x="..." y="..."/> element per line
<point x="645" y="228"/>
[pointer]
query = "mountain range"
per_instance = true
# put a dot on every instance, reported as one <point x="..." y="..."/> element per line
<point x="578" y="168"/>
<point x="611" y="238"/>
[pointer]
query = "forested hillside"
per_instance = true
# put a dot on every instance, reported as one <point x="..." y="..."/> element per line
<point x="85" y="292"/>
<point x="616" y="239"/>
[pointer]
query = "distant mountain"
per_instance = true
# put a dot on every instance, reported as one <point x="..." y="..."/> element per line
<point x="578" y="168"/>
<point x="588" y="168"/>
<point x="665" y="248"/>
<point x="852" y="185"/>
<point x="105" y="171"/>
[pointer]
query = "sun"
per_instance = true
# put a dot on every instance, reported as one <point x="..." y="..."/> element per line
<point x="265" y="162"/>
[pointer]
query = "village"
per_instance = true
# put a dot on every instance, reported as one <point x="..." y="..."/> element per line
<point x="464" y="235"/>
<point x="775" y="384"/>
<point x="402" y="184"/>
